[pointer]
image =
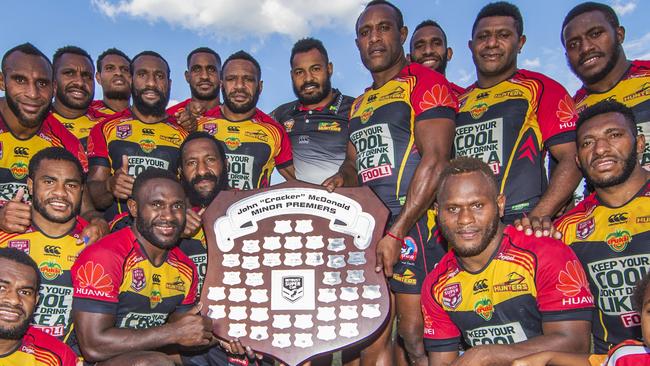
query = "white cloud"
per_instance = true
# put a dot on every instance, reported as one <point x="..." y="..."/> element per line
<point x="621" y="7"/>
<point x="532" y="63"/>
<point x="638" y="48"/>
<point x="464" y="77"/>
<point x="234" y="20"/>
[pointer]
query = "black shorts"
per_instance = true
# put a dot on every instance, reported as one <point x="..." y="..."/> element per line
<point x="215" y="356"/>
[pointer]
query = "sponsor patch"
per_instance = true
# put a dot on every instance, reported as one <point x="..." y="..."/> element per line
<point x="19" y="170"/>
<point x="409" y="250"/>
<point x="367" y="113"/>
<point x="288" y="125"/>
<point x="329" y="126"/>
<point x="210" y="128"/>
<point x="572" y="280"/>
<point x="480" y="286"/>
<point x="93" y="280"/>
<point x="618" y="240"/>
<point x="478" y="110"/>
<point x="147" y="145"/>
<point x="513" y="283"/>
<point x="232" y="143"/>
<point x="484" y="308"/>
<point x="50" y="270"/>
<point x="585" y="228"/>
<point x="407" y="278"/>
<point x="452" y="295"/>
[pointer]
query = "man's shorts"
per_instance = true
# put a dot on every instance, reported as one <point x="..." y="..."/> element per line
<point x="422" y="249"/>
<point x="215" y="356"/>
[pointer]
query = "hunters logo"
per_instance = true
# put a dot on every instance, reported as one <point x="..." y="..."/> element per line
<point x="484" y="309"/>
<point x="452" y="295"/>
<point x="288" y="125"/>
<point x="438" y="96"/>
<point x="512" y="93"/>
<point x="178" y="284"/>
<point x="397" y="93"/>
<point x="585" y="228"/>
<point x="19" y="170"/>
<point x="367" y="113"/>
<point x="480" y="286"/>
<point x="232" y="143"/>
<point x="147" y="145"/>
<point x="566" y="113"/>
<point x="478" y="110"/>
<point x="329" y="126"/>
<point x="93" y="281"/>
<point x="407" y="278"/>
<point x="642" y="92"/>
<point x="514" y="283"/>
<point x="293" y="288"/>
<point x="50" y="270"/>
<point x="173" y="139"/>
<point x="409" y="250"/>
<point x="643" y="220"/>
<point x="21" y="244"/>
<point x="123" y="131"/>
<point x="138" y="280"/>
<point x="618" y="240"/>
<point x="259" y="134"/>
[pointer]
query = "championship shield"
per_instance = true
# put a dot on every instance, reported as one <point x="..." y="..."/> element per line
<point x="291" y="269"/>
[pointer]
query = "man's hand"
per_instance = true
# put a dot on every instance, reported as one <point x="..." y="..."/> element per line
<point x="236" y="348"/>
<point x="120" y="184"/>
<point x="193" y="223"/>
<point x="16" y="215"/>
<point x="333" y="182"/>
<point x="192" y="329"/>
<point x="96" y="229"/>
<point x="540" y="226"/>
<point x="188" y="116"/>
<point x="471" y="357"/>
<point x="388" y="251"/>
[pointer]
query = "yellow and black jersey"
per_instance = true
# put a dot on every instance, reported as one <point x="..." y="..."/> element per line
<point x="633" y="90"/>
<point x="612" y="244"/>
<point x="54" y="257"/>
<point x="80" y="127"/>
<point x="510" y="126"/>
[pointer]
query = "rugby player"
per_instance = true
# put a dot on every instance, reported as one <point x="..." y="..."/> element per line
<point x="74" y="88"/>
<point x="138" y="139"/>
<point x="401" y="130"/>
<point x="506" y="294"/>
<point x="21" y="344"/>
<point x="317" y="122"/>
<point x="429" y="48"/>
<point x="510" y="118"/>
<point x="114" y="75"/>
<point x="202" y="75"/>
<point x="609" y="230"/>
<point x="56" y="183"/>
<point x="254" y="143"/>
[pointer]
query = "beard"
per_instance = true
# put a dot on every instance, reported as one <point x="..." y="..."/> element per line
<point x="146" y="230"/>
<point x="117" y="95"/>
<point x="246" y="107"/>
<point x="63" y="98"/>
<point x="611" y="63"/>
<point x="211" y="95"/>
<point x="202" y="199"/>
<point x="628" y="168"/>
<point x="442" y="66"/>
<point x="16" y="332"/>
<point x="488" y="234"/>
<point x="156" y="109"/>
<point x="314" y="98"/>
<point x="22" y="118"/>
<point x="39" y="206"/>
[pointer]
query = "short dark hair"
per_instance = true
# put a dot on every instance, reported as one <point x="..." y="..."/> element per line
<point x="149" y="174"/>
<point x="590" y="6"/>
<point x="501" y="9"/>
<point x="428" y="23"/>
<point x="21" y="257"/>
<point x="54" y="153"/>
<point x="308" y="44"/>
<point x="74" y="50"/>
<point x="204" y="50"/>
<point x="607" y="106"/>
<point x="639" y="292"/>
<point x="111" y="51"/>
<point x="26" y="48"/>
<point x="223" y="181"/>
<point x="464" y="165"/>
<point x="399" y="19"/>
<point x="243" y="55"/>
<point x="153" y="54"/>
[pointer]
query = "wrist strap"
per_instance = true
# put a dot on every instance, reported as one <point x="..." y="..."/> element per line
<point x="394" y="236"/>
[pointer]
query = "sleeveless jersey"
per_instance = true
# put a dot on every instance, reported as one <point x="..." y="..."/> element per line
<point x="633" y="90"/>
<point x="510" y="126"/>
<point x="382" y="129"/>
<point x="114" y="276"/>
<point x="54" y="257"/>
<point x="147" y="145"/>
<point x="80" y="127"/>
<point x="39" y="349"/>
<point x="612" y="244"/>
<point x="16" y="153"/>
<point x="528" y="281"/>
<point x="319" y="137"/>
<point x="254" y="147"/>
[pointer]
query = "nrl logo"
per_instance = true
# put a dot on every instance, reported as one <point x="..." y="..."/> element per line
<point x="293" y="288"/>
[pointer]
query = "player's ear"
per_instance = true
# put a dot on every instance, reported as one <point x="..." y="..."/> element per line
<point x="260" y="86"/>
<point x="2" y="81"/>
<point x="620" y="34"/>
<point x="133" y="207"/>
<point x="330" y="68"/>
<point x="97" y="78"/>
<point x="640" y="144"/>
<point x="450" y="53"/>
<point x="522" y="42"/>
<point x="501" y="204"/>
<point x="187" y="76"/>
<point x="578" y="161"/>
<point x="30" y="186"/>
<point x="403" y="34"/>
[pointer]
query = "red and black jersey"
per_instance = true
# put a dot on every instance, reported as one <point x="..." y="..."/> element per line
<point x="15" y="153"/>
<point x="114" y="276"/>
<point x="80" y="127"/>
<point x="39" y="349"/>
<point x="510" y="126"/>
<point x="179" y="107"/>
<point x="99" y="106"/>
<point x="382" y="129"/>
<point x="457" y="89"/>
<point x="612" y="244"/>
<point x="254" y="147"/>
<point x="633" y="90"/>
<point x="627" y="353"/>
<point x="528" y="281"/>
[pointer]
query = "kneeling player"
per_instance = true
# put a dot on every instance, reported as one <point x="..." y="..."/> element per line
<point x="508" y="295"/>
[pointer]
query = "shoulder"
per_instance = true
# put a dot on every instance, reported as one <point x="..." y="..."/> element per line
<point x="583" y="209"/>
<point x="35" y="340"/>
<point x="114" y="245"/>
<point x="538" y="78"/>
<point x="541" y="247"/>
<point x="178" y="106"/>
<point x="641" y="65"/>
<point x="263" y="118"/>
<point x="283" y="112"/>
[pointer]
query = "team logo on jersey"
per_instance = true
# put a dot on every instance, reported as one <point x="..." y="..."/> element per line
<point x="293" y="288"/>
<point x="478" y="110"/>
<point x="210" y="128"/>
<point x="21" y="151"/>
<point x="618" y="240"/>
<point x="409" y="250"/>
<point x="437" y="96"/>
<point x="232" y="143"/>
<point x="617" y="218"/>
<point x="572" y="280"/>
<point x="288" y="125"/>
<point x="329" y="126"/>
<point x="147" y="145"/>
<point x="513" y="283"/>
<point x="123" y="131"/>
<point x="566" y="112"/>
<point x="232" y="129"/>
<point x="397" y="93"/>
<point x="367" y="113"/>
<point x="20" y="244"/>
<point x="511" y="93"/>
<point x="259" y="134"/>
<point x="19" y="170"/>
<point x="585" y="228"/>
<point x="643" y="220"/>
<point x="483" y="95"/>
<point x="641" y="92"/>
<point x="484" y="309"/>
<point x="50" y="270"/>
<point x="407" y="278"/>
<point x="173" y="139"/>
<point x="52" y="250"/>
<point x="138" y="280"/>
<point x="480" y="286"/>
<point x="178" y="284"/>
<point x="148" y="131"/>
<point x="452" y="295"/>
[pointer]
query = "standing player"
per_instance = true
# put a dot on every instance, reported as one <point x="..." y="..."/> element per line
<point x="506" y="294"/>
<point x="510" y="118"/>
<point x="317" y="122"/>
<point x="122" y="147"/>
<point x="401" y="130"/>
<point x="429" y="48"/>
<point x="114" y="76"/>
<point x="254" y="143"/>
<point x="74" y="89"/>
<point x="609" y="229"/>
<point x="593" y="40"/>
<point x="56" y="182"/>
<point x="202" y="75"/>
<point x="21" y="344"/>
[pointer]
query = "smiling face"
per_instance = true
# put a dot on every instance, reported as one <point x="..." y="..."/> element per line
<point x="310" y="74"/>
<point x="429" y="49"/>
<point x="379" y="39"/>
<point x="18" y="297"/>
<point x="115" y="77"/>
<point x="150" y="85"/>
<point x="494" y="45"/>
<point x="202" y="171"/>
<point x="75" y="86"/>
<point x="56" y="190"/>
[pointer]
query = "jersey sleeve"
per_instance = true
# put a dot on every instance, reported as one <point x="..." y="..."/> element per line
<point x="69" y="141"/>
<point x="440" y="332"/>
<point x="562" y="285"/>
<point x="96" y="277"/>
<point x="285" y="156"/>
<point x="98" y="146"/>
<point x="556" y="114"/>
<point x="432" y="96"/>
